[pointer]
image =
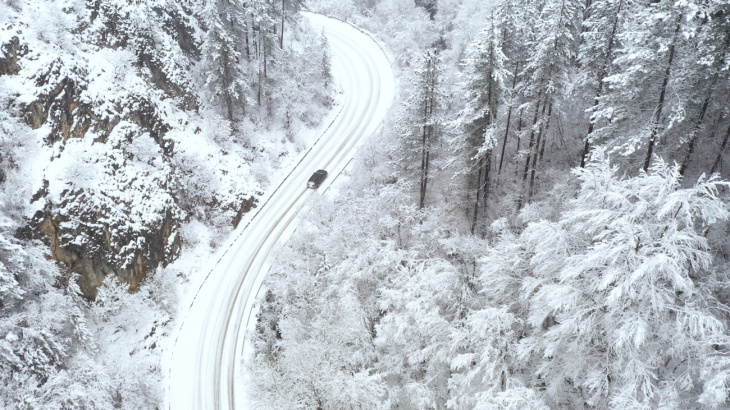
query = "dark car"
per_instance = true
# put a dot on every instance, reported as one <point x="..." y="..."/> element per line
<point x="316" y="179"/>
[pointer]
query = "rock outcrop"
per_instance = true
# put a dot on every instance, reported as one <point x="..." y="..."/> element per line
<point x="11" y="51"/>
<point x="125" y="223"/>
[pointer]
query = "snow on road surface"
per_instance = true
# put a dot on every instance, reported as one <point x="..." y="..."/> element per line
<point x="203" y="367"/>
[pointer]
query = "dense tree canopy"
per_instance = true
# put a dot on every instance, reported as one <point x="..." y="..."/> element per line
<point x="571" y="248"/>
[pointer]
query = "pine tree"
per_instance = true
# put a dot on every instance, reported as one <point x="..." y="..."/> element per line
<point x="633" y="110"/>
<point x="705" y="73"/>
<point x="484" y="87"/>
<point x="261" y="15"/>
<point x="557" y="26"/>
<point x="605" y="17"/>
<point x="326" y="60"/>
<point x="226" y="75"/>
<point x="289" y="8"/>
<point x="513" y="33"/>
<point x="420" y="127"/>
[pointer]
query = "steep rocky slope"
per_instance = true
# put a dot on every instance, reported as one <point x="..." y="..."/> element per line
<point x="125" y="105"/>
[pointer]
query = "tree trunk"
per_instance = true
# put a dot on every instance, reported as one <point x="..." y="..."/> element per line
<point x="229" y="105"/>
<point x="719" y="154"/>
<point x="226" y="83"/>
<point x="424" y="183"/>
<point x="529" y="154"/>
<point x="281" y="38"/>
<point x="519" y="138"/>
<point x="509" y="116"/>
<point x="264" y="52"/>
<point x="543" y="129"/>
<point x="531" y="142"/>
<point x="482" y="191"/>
<point x="696" y="129"/>
<point x="519" y="129"/>
<point x="660" y="104"/>
<point x="477" y="199"/>
<point x="248" y="47"/>
<point x="426" y="131"/>
<point x="703" y="111"/>
<point x="601" y="75"/>
<point x="257" y="47"/>
<point x="547" y="126"/>
<point x="255" y="30"/>
<point x="424" y="165"/>
<point x="485" y="184"/>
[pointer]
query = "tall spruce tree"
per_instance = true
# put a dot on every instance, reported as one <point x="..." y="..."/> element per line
<point x="226" y="75"/>
<point x="484" y="88"/>
<point x="705" y="71"/>
<point x="513" y="34"/>
<point x="633" y="111"/>
<point x="421" y="126"/>
<point x="596" y="52"/>
<point x="557" y="26"/>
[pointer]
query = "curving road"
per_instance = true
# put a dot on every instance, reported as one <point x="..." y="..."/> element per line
<point x="204" y="367"/>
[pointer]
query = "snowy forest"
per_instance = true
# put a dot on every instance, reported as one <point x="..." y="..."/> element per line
<point x="540" y="222"/>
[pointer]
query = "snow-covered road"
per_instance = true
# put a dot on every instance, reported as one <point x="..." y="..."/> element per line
<point x="203" y="366"/>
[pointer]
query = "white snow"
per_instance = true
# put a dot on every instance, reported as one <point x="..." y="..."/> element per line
<point x="203" y="364"/>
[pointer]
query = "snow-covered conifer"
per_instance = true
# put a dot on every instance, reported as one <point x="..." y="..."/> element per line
<point x="421" y="125"/>
<point x="226" y="69"/>
<point x="484" y="79"/>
